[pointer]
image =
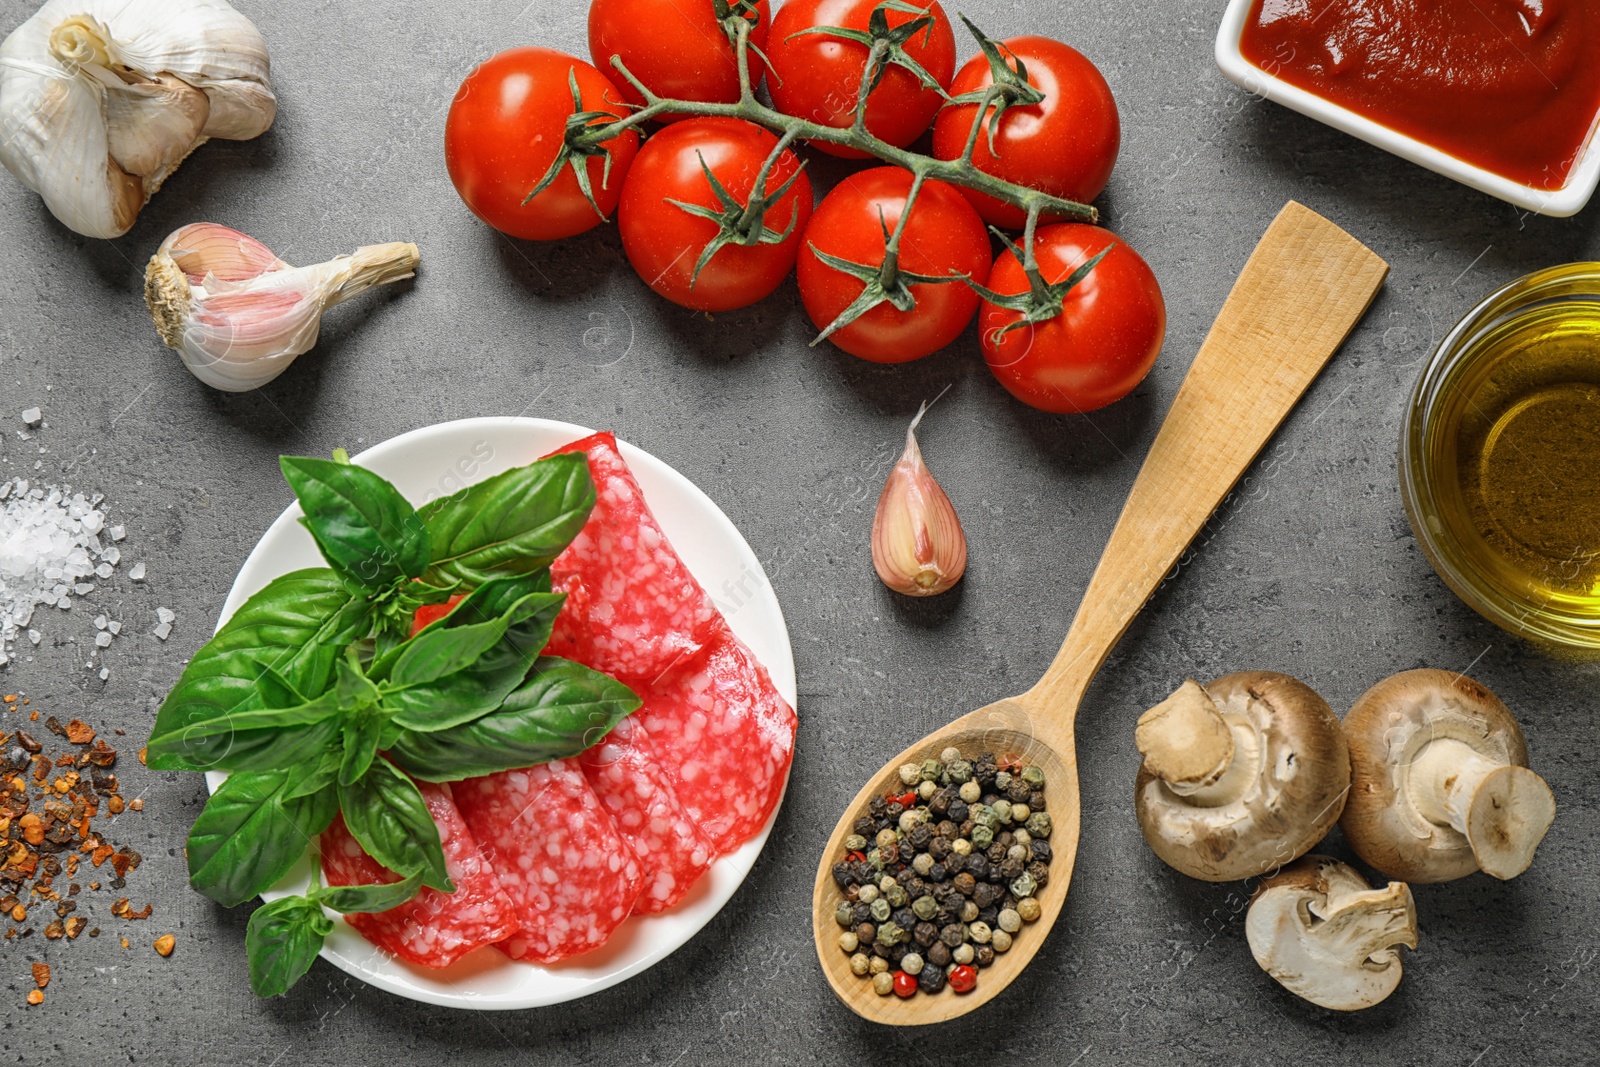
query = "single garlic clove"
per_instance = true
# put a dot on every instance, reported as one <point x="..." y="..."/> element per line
<point x="237" y="315"/>
<point x="918" y="547"/>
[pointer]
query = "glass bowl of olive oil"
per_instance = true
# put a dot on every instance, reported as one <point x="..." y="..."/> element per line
<point x="1500" y="457"/>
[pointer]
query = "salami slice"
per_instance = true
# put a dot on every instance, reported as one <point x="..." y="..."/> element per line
<point x="432" y="929"/>
<point x="638" y="793"/>
<point x="633" y="609"/>
<point x="571" y="877"/>
<point x="725" y="736"/>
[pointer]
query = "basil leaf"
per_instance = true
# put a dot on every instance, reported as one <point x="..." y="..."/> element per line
<point x="362" y="735"/>
<point x="303" y="783"/>
<point x="296" y="626"/>
<point x="517" y="521"/>
<point x="218" y="746"/>
<point x="282" y="941"/>
<point x="367" y="898"/>
<point x="441" y="650"/>
<point x="480" y="688"/>
<point x="250" y="834"/>
<point x="386" y="813"/>
<point x="483" y="605"/>
<point x="366" y="530"/>
<point x="562" y="709"/>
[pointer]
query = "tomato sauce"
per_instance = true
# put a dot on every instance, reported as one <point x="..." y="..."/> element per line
<point x="1512" y="86"/>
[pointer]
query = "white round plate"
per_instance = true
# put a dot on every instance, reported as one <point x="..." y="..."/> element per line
<point x="436" y="461"/>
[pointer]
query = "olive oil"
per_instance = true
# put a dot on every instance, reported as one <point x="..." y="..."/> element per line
<point x="1513" y="451"/>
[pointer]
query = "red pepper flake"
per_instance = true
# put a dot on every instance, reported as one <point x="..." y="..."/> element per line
<point x="136" y="804"/>
<point x="10" y="698"/>
<point x="55" y="930"/>
<point x="114" y="805"/>
<point x="34" y="715"/>
<point x="101" y="854"/>
<point x="75" y="926"/>
<point x="41" y="974"/>
<point x="79" y="732"/>
<point x="164" y="944"/>
<point x="142" y="751"/>
<point x="35" y="997"/>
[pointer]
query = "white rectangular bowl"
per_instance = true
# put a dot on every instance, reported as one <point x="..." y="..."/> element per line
<point x="1568" y="200"/>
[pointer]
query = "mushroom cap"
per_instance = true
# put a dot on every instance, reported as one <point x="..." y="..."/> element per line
<point x="1386" y="730"/>
<point x="1326" y="936"/>
<point x="1285" y="793"/>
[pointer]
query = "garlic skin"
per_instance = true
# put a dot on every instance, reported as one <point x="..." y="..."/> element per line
<point x="238" y="315"/>
<point x="100" y="100"/>
<point x="918" y="547"/>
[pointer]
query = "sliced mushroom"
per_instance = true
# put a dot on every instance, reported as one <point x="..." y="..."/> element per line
<point x="1240" y="776"/>
<point x="1327" y="936"/>
<point x="1440" y="781"/>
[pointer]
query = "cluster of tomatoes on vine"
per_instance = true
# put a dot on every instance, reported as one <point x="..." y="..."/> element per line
<point x="714" y="207"/>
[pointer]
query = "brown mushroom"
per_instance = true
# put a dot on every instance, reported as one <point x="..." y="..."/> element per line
<point x="1241" y="776"/>
<point x="1440" y="781"/>
<point x="1328" y="937"/>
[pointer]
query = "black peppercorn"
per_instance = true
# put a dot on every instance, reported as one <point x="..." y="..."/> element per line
<point x="992" y="799"/>
<point x="881" y="950"/>
<point x="842" y="876"/>
<point x="939" y="873"/>
<point x="893" y="810"/>
<point x="949" y="828"/>
<point x="939" y="955"/>
<point x="865" y="826"/>
<point x="987" y="894"/>
<point x="920" y="835"/>
<point x="978" y="865"/>
<point x="1010" y="868"/>
<point x="966" y="828"/>
<point x="965" y="884"/>
<point x="996" y="853"/>
<point x="877" y="807"/>
<point x="983" y="771"/>
<point x="862" y="913"/>
<point x="931" y="980"/>
<point x="1018" y="792"/>
<point x="953" y="934"/>
<point x="990" y="915"/>
<point x="1007" y="839"/>
<point x="939" y="848"/>
<point x="1036" y="801"/>
<point x="1041" y="851"/>
<point x="864" y="872"/>
<point x="939" y="803"/>
<point x="943" y="892"/>
<point x="905" y="918"/>
<point x="954" y="863"/>
<point x="958" y="811"/>
<point x="915" y="887"/>
<point x="984" y="956"/>
<point x="951" y="912"/>
<point x="1041" y="875"/>
<point x="865" y="933"/>
<point x="925" y="934"/>
<point x="889" y="853"/>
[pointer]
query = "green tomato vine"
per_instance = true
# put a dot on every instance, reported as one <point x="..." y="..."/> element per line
<point x="588" y="131"/>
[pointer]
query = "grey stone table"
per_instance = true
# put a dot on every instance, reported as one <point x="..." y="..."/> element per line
<point x="1313" y="571"/>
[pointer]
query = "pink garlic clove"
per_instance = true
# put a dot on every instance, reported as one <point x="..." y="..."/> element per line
<point x="237" y="315"/>
<point x="918" y="546"/>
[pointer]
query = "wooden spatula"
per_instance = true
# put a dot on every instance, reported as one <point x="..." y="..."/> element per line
<point x="1304" y="287"/>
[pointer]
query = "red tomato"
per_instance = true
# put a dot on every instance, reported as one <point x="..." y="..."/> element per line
<point x="1105" y="339"/>
<point x="664" y="242"/>
<point x="818" y="77"/>
<point x="1065" y="145"/>
<point x="676" y="47"/>
<point x="429" y="614"/>
<point x="504" y="129"/>
<point x="943" y="237"/>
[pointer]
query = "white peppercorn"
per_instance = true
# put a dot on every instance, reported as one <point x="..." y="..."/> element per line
<point x="1001" y="941"/>
<point x="908" y="819"/>
<point x="911" y="963"/>
<point x="927" y="789"/>
<point x="922" y="864"/>
<point x="979" y="932"/>
<point x="878" y="965"/>
<point x="867" y="893"/>
<point x="884" y="882"/>
<point x="1020" y="813"/>
<point x="1029" y="909"/>
<point x="910" y="773"/>
<point x="860" y="963"/>
<point x="883" y="983"/>
<point x="962" y="953"/>
<point x="1010" y="922"/>
<point x="849" y="941"/>
<point x="950" y="755"/>
<point x="969" y="911"/>
<point x="1018" y="853"/>
<point x="1021" y="837"/>
<point x="886" y="838"/>
<point x="961" y="846"/>
<point x="855" y="843"/>
<point x="971" y="792"/>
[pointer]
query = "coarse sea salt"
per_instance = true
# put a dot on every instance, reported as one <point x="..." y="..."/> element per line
<point x="49" y="546"/>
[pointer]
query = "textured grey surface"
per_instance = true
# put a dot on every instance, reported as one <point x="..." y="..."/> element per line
<point x="1312" y="571"/>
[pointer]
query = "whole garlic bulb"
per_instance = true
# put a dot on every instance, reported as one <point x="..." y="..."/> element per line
<point x="238" y="315"/>
<point x="100" y="100"/>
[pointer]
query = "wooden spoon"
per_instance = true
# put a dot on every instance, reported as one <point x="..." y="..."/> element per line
<point x="1304" y="287"/>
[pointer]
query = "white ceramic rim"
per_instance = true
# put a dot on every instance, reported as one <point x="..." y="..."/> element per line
<point x="1560" y="203"/>
<point x="718" y="556"/>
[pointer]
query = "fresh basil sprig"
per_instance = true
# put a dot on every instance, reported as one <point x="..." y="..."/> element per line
<point x="319" y="698"/>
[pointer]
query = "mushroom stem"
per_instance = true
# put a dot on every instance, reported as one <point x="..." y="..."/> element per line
<point x="1185" y="741"/>
<point x="1503" y="811"/>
